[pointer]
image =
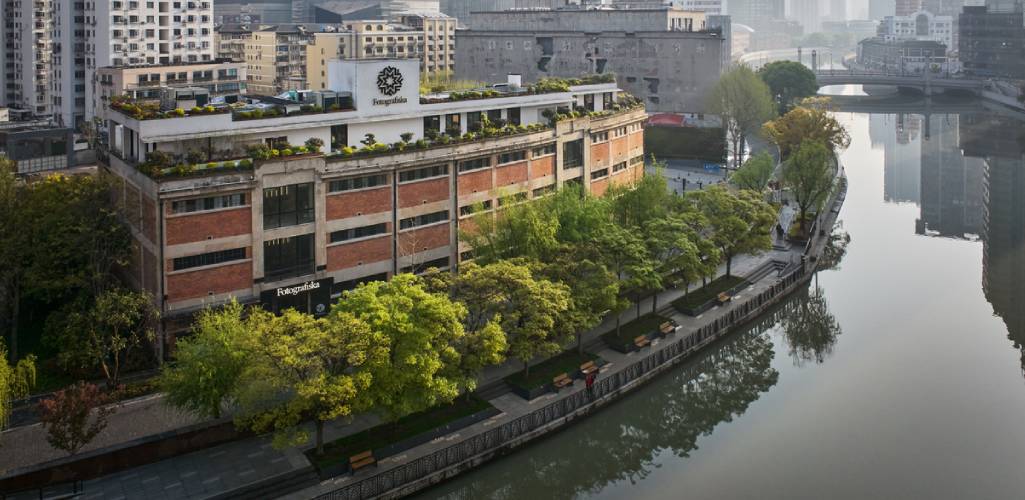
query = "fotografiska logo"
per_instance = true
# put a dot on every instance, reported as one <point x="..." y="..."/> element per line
<point x="296" y="290"/>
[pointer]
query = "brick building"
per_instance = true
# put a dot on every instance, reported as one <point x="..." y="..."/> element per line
<point x="297" y="231"/>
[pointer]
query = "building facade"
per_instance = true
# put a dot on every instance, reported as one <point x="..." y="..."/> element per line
<point x="295" y="231"/>
<point x="148" y="83"/>
<point x="274" y="54"/>
<point x="53" y="48"/>
<point x="663" y="55"/>
<point x="992" y="42"/>
<point x="906" y="57"/>
<point x="921" y="25"/>
<point x="906" y="7"/>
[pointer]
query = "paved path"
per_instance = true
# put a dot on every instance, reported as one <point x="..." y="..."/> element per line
<point x="223" y="468"/>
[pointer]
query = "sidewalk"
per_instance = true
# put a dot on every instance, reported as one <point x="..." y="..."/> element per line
<point x="224" y="468"/>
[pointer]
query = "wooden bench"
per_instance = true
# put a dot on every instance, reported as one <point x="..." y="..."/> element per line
<point x="365" y="459"/>
<point x="642" y="341"/>
<point x="561" y="381"/>
<point x="724" y="297"/>
<point x="588" y="368"/>
<point x="667" y="328"/>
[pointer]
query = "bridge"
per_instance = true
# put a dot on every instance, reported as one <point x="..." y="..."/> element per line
<point x="926" y="82"/>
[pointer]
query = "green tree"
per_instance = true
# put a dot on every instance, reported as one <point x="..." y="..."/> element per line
<point x="738" y="222"/>
<point x="789" y="82"/>
<point x="806" y="124"/>
<point x="594" y="290"/>
<point x="672" y="249"/>
<point x="209" y="363"/>
<point x="74" y="416"/>
<point x="101" y="333"/>
<point x="14" y="251"/>
<point x="744" y="103"/>
<point x="755" y="173"/>
<point x="625" y="254"/>
<point x="307" y="368"/>
<point x="809" y="175"/>
<point x="15" y="382"/>
<point x="648" y="199"/>
<point x="528" y="308"/>
<point x="419" y="331"/>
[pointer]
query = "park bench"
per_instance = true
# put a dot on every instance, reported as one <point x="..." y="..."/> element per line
<point x="724" y="297"/>
<point x="588" y="368"/>
<point x="365" y="459"/>
<point x="667" y="328"/>
<point x="642" y="341"/>
<point x="561" y="381"/>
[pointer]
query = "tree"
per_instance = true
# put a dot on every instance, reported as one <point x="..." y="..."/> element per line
<point x="809" y="328"/>
<point x="526" y="307"/>
<point x="744" y="103"/>
<point x="809" y="175"/>
<point x="305" y="367"/>
<point x="624" y="253"/>
<point x="671" y="246"/>
<point x="789" y="82"/>
<point x="806" y="124"/>
<point x="738" y="222"/>
<point x="648" y="199"/>
<point x="15" y="382"/>
<point x="13" y="252"/>
<point x="419" y="330"/>
<point x="594" y="290"/>
<point x="755" y="173"/>
<point x="101" y="333"/>
<point x="210" y="362"/>
<point x="74" y="416"/>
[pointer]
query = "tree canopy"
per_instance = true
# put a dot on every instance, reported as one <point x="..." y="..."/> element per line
<point x="738" y="222"/>
<point x="744" y="102"/>
<point x="789" y="82"/>
<point x="806" y="124"/>
<point x="755" y="173"/>
<point x="809" y="174"/>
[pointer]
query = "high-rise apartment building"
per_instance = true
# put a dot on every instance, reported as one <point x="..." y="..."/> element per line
<point x="53" y="48"/>
<point x="907" y="7"/>
<point x="275" y="54"/>
<point x="992" y="40"/>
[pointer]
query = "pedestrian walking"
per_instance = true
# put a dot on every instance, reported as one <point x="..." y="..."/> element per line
<point x="589" y="383"/>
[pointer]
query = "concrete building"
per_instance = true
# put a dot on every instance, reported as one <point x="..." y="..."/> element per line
<point x="37" y="146"/>
<point x="710" y="7"/>
<point x="663" y="55"/>
<point x="250" y="11"/>
<point x="295" y="231"/>
<point x="339" y="11"/>
<point x="951" y="203"/>
<point x="51" y="52"/>
<point x="921" y="25"/>
<point x="147" y="83"/>
<point x="906" y="7"/>
<point x="991" y="41"/>
<point x="274" y="54"/>
<point x="907" y="57"/>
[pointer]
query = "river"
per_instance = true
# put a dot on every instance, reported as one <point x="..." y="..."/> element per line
<point x="896" y="374"/>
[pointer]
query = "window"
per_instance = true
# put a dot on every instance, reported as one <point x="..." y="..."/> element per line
<point x="209" y="203"/>
<point x="619" y="167"/>
<point x="423" y="173"/>
<point x="209" y="259"/>
<point x="548" y="149"/>
<point x="514" y="198"/>
<point x="475" y="164"/>
<point x="637" y="160"/>
<point x="452" y="124"/>
<point x="514" y="115"/>
<point x="473" y="119"/>
<point x="598" y="174"/>
<point x="544" y="190"/>
<point x="618" y="132"/>
<point x="344" y="286"/>
<point x="494" y="115"/>
<point x="423" y="266"/>
<point x="354" y="183"/>
<point x="573" y="154"/>
<point x="423" y="220"/>
<point x="432" y="123"/>
<point x="599" y="137"/>
<point x="287" y="257"/>
<point x="287" y="205"/>
<point x="474" y="208"/>
<point x="358" y="232"/>
<point x="511" y="157"/>
<point x="339" y="136"/>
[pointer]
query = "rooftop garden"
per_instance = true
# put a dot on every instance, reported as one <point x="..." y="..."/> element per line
<point x="151" y="110"/>
<point x="278" y="111"/>
<point x="485" y="130"/>
<point x="162" y="164"/>
<point x="542" y="86"/>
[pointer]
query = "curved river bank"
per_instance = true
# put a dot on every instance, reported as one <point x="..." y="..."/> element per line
<point x="898" y="374"/>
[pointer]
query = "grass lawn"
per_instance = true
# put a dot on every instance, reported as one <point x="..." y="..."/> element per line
<point x="644" y="325"/>
<point x="340" y="450"/>
<point x="698" y="297"/>
<point x="567" y="362"/>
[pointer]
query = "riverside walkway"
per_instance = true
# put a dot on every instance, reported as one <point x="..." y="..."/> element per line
<point x="251" y="467"/>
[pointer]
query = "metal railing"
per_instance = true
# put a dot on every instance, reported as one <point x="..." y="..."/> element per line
<point x="607" y="387"/>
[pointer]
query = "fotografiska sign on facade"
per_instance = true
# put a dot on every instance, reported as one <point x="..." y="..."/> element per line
<point x="389" y="82"/>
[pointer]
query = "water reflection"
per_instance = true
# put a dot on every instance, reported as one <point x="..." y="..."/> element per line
<point x="967" y="174"/>
<point x="808" y="327"/>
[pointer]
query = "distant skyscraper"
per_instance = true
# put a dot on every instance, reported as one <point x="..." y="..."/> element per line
<point x="907" y="7"/>
<point x="878" y="9"/>
<point x="756" y="12"/>
<point x="838" y="10"/>
<point x="807" y="13"/>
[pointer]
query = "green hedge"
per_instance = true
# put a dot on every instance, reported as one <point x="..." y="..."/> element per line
<point x="624" y="342"/>
<point x="567" y="362"/>
<point x="711" y="291"/>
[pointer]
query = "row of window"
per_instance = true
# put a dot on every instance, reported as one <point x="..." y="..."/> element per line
<point x="619" y="167"/>
<point x="474" y="164"/>
<point x="208" y="259"/>
<point x="208" y="203"/>
<point x="423" y="220"/>
<point x="423" y="173"/>
<point x="547" y="149"/>
<point x="354" y="183"/>
<point x="474" y="208"/>
<point x="637" y="160"/>
<point x="599" y="137"/>
<point x="358" y="232"/>
<point x="598" y="174"/>
<point x="512" y="157"/>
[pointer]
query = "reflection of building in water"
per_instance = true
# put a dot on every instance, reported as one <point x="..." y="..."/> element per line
<point x="1002" y="145"/>
<point x="898" y="137"/>
<point x="951" y="185"/>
